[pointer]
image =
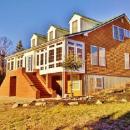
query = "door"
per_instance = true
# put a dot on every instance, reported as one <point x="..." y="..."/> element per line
<point x="12" y="86"/>
<point x="29" y="65"/>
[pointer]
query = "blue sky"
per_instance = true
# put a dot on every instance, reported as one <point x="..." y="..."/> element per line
<point x="19" y="19"/>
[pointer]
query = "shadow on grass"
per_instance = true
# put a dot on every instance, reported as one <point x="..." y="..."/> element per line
<point x="108" y="123"/>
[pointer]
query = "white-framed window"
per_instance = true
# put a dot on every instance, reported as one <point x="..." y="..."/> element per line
<point x="98" y="56"/>
<point x="94" y="55"/>
<point x="127" y="60"/>
<point x="102" y="56"/>
<point x="51" y="35"/>
<point x="33" y="42"/>
<point x="127" y="33"/>
<point x="118" y="33"/>
<point x="99" y="82"/>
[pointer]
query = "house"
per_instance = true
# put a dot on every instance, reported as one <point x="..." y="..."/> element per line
<point x="104" y="46"/>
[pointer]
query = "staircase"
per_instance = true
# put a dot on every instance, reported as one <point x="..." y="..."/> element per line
<point x="43" y="92"/>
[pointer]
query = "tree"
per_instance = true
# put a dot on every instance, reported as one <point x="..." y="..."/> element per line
<point x="5" y="45"/>
<point x="72" y="63"/>
<point x="19" y="46"/>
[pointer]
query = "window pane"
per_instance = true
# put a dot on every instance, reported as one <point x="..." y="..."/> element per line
<point x="79" y="53"/>
<point x="46" y="58"/>
<point x="21" y="63"/>
<point x="126" y="33"/>
<point x="94" y="55"/>
<point x="42" y="59"/>
<point x="71" y="50"/>
<point x="33" y="42"/>
<point x="51" y="35"/>
<point x="12" y="65"/>
<point x="18" y="64"/>
<point x="37" y="60"/>
<point x="75" y="26"/>
<point x="121" y="34"/>
<point x="115" y="32"/>
<point x="58" y="53"/>
<point x="99" y="82"/>
<point x="51" y="56"/>
<point x="102" y="56"/>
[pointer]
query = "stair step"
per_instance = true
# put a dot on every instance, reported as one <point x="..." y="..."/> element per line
<point x="38" y="85"/>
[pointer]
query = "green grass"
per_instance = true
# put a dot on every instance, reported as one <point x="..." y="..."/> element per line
<point x="58" y="117"/>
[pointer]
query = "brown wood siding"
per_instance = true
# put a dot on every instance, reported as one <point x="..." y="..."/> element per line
<point x="103" y="37"/>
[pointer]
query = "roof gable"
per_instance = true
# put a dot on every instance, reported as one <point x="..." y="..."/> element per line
<point x="101" y="25"/>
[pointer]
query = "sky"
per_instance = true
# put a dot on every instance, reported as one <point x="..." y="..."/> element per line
<point x="19" y="19"/>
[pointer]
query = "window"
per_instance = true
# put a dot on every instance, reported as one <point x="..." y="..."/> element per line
<point x="118" y="33"/>
<point x="75" y="26"/>
<point x="33" y="42"/>
<point x="37" y="60"/>
<point x="127" y="60"/>
<point x="21" y="63"/>
<point x="51" y="66"/>
<point x="71" y="50"/>
<point x="79" y="52"/>
<point x="12" y="65"/>
<point x="99" y="82"/>
<point x="71" y="43"/>
<point x="51" y="55"/>
<point x="8" y="65"/>
<point x="127" y="33"/>
<point x="51" y="35"/>
<point x="41" y="61"/>
<point x="121" y="34"/>
<point x="98" y="56"/>
<point x="102" y="56"/>
<point x="18" y="64"/>
<point x="58" y="53"/>
<point x="58" y="64"/>
<point x="51" y="46"/>
<point x="115" y="32"/>
<point x="46" y="58"/>
<point x="59" y="43"/>
<point x="94" y="55"/>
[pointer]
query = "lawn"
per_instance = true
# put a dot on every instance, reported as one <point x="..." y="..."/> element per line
<point x="105" y="116"/>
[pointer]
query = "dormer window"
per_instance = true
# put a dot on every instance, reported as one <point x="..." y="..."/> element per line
<point x="51" y="35"/>
<point x="75" y="26"/>
<point x="80" y="23"/>
<point x="33" y="42"/>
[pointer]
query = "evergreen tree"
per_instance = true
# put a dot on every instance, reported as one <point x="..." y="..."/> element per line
<point x="19" y="46"/>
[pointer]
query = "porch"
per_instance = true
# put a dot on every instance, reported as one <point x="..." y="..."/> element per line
<point x="64" y="86"/>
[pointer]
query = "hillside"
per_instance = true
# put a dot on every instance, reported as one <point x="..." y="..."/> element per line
<point x="113" y="113"/>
